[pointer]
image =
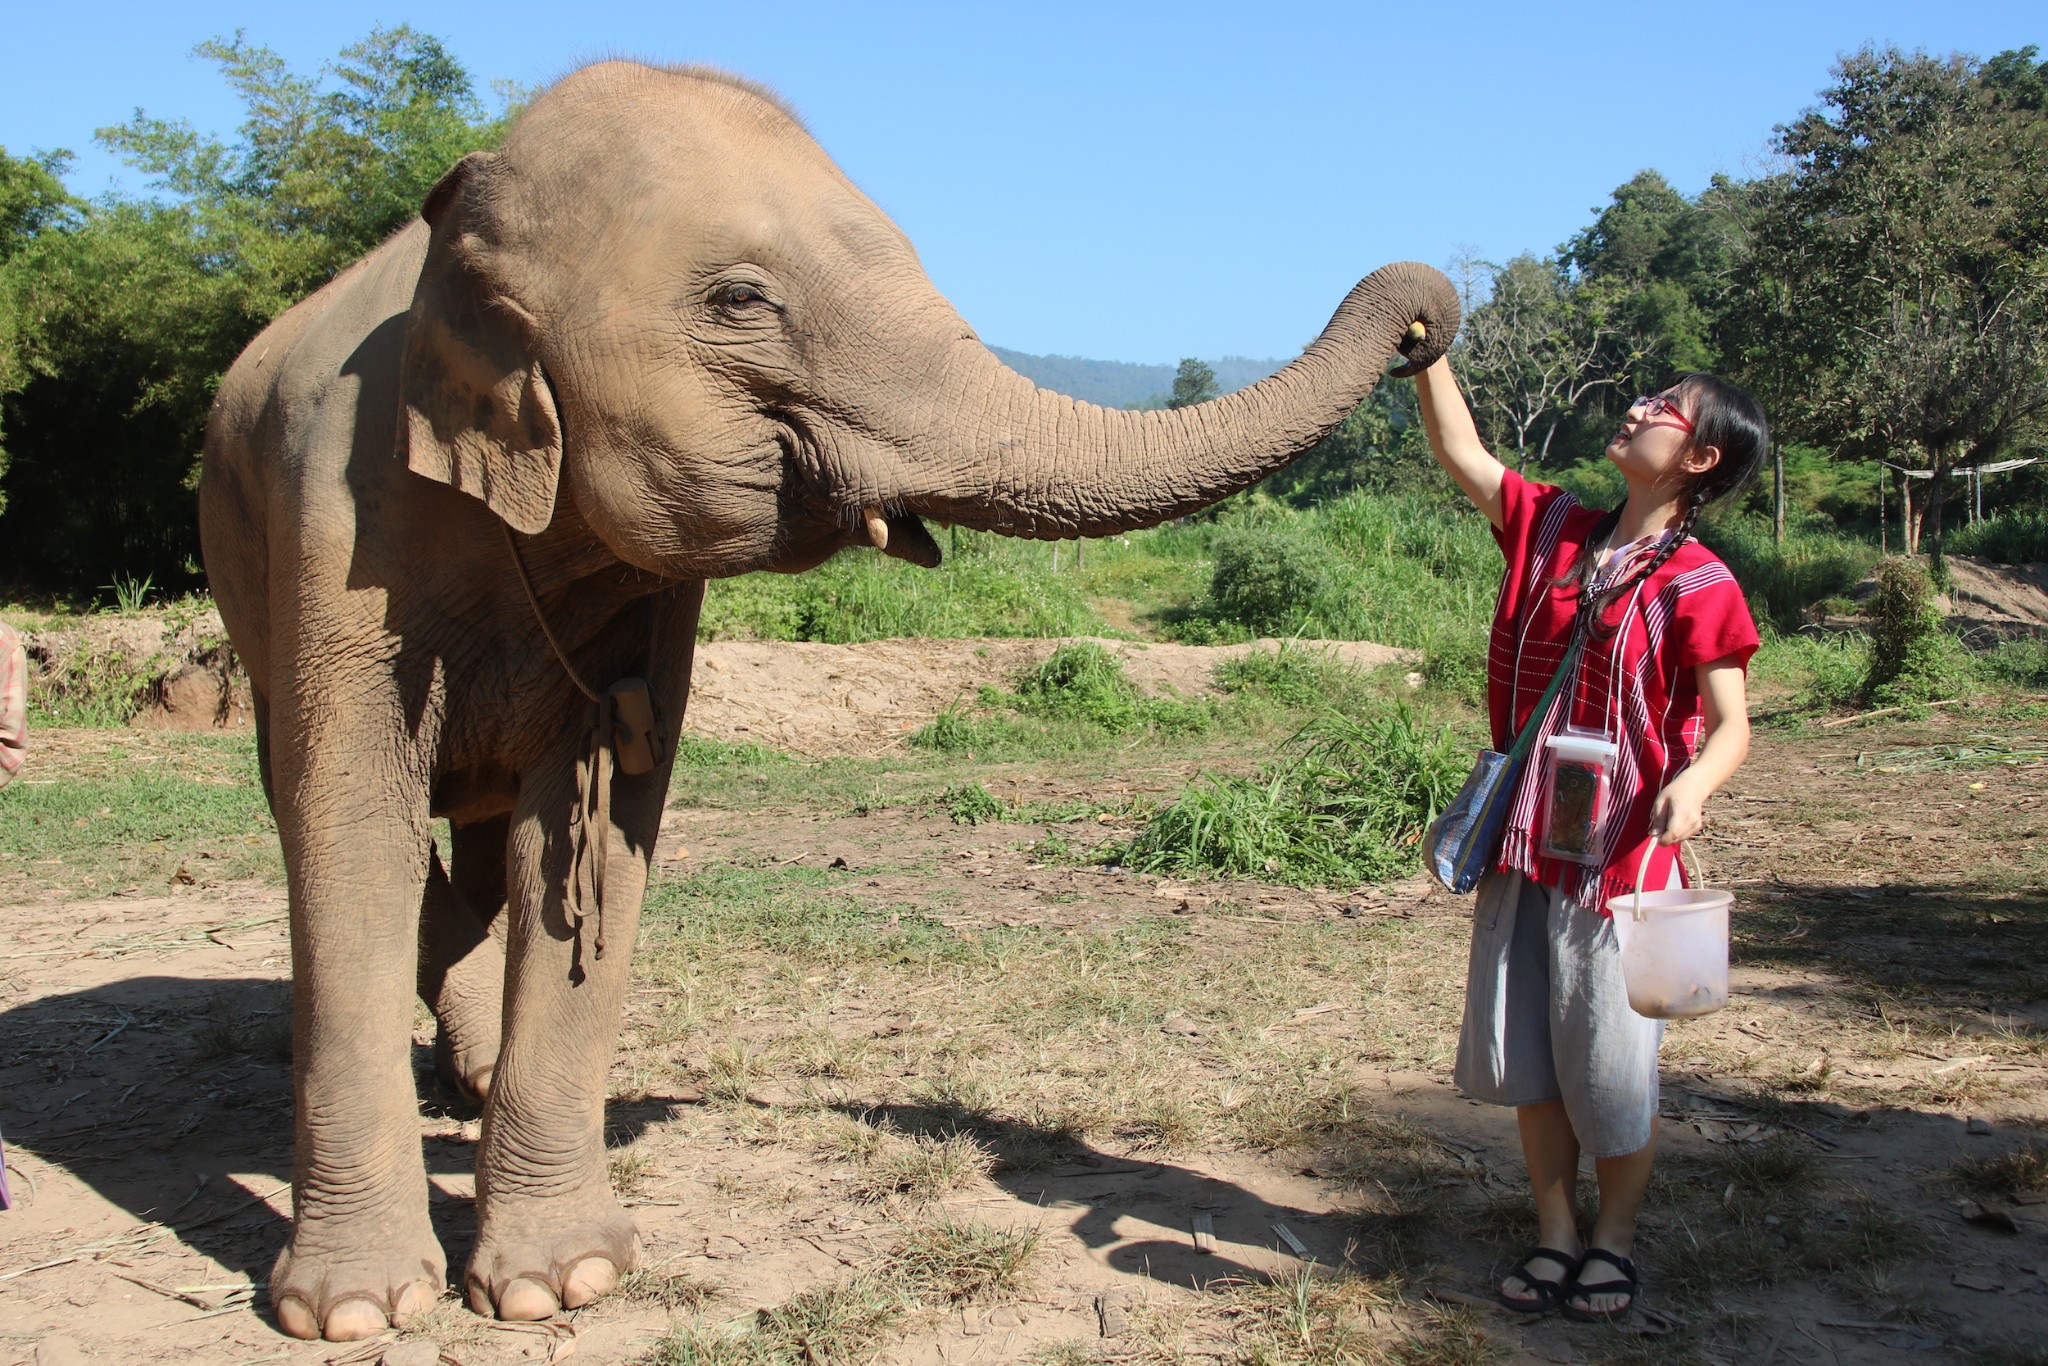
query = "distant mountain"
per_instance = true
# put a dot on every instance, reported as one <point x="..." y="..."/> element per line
<point x="1122" y="384"/>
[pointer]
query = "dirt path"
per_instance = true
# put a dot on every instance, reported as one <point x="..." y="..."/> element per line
<point x="820" y="990"/>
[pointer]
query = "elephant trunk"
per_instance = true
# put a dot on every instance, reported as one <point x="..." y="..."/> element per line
<point x="1042" y="465"/>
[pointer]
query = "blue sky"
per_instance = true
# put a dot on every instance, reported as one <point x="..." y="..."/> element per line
<point x="1126" y="181"/>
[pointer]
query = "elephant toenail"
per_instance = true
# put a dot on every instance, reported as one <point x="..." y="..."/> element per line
<point x="296" y="1318"/>
<point x="588" y="1279"/>
<point x="417" y="1298"/>
<point x="526" y="1301"/>
<point x="354" y="1320"/>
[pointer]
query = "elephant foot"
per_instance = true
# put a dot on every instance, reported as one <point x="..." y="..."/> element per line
<point x="549" y="1254"/>
<point x="345" y="1293"/>
<point x="465" y="1066"/>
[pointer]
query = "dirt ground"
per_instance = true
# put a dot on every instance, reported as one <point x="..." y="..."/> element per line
<point x="1847" y="1173"/>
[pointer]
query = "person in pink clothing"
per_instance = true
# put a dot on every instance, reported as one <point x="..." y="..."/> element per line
<point x="13" y="745"/>
<point x="13" y="703"/>
<point x="1650" y="720"/>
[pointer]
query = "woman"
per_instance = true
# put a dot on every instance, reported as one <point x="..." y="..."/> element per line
<point x="1657" y="686"/>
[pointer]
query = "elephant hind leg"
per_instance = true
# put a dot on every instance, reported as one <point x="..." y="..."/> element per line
<point x="462" y="955"/>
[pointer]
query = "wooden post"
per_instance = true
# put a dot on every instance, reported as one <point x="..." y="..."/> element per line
<point x="1778" y="516"/>
<point x="1077" y="554"/>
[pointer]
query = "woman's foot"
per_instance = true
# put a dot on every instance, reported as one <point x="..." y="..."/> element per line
<point x="1539" y="1285"/>
<point x="1603" y="1288"/>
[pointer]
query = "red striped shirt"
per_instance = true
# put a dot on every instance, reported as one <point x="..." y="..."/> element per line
<point x="1639" y="687"/>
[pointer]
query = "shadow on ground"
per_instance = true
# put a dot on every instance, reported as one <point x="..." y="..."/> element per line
<point x="171" y="1098"/>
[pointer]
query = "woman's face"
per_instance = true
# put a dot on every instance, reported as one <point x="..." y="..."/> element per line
<point x="1655" y="444"/>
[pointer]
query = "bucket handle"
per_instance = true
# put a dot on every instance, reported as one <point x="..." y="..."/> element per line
<point x="1699" y="872"/>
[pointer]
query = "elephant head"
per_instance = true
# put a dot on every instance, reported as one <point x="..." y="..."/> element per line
<point x="661" y="300"/>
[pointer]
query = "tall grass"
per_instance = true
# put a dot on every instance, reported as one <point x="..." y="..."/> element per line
<point x="1816" y="566"/>
<point x="1347" y="803"/>
<point x="1074" y="700"/>
<point x="994" y="588"/>
<point x="2011" y="538"/>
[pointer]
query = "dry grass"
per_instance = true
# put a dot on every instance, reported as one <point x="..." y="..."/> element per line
<point x="2021" y="1170"/>
<point x="629" y="1168"/>
<point x="919" y="1168"/>
<point x="904" y="1040"/>
<point x="936" y="1266"/>
<point x="672" y="1291"/>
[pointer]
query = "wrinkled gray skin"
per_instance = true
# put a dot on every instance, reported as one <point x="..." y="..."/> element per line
<point x="663" y="339"/>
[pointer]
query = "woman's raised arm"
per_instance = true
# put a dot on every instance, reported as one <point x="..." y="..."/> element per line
<point x="1456" y="441"/>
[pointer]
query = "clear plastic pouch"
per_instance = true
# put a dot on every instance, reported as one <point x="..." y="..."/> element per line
<point x="1577" y="766"/>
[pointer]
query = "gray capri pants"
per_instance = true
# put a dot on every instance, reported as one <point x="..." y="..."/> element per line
<point x="1547" y="1017"/>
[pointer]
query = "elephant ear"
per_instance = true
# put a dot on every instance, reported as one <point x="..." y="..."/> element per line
<point x="475" y="410"/>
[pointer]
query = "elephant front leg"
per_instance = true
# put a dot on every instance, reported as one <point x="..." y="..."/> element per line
<point x="362" y="1255"/>
<point x="550" y="1234"/>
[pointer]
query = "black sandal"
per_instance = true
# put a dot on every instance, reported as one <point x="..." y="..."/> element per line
<point x="1628" y="1285"/>
<point x="1545" y="1295"/>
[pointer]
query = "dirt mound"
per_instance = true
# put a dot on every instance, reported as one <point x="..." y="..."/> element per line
<point x="2001" y="601"/>
<point x="864" y="699"/>
<point x="179" y="674"/>
<point x="172" y="671"/>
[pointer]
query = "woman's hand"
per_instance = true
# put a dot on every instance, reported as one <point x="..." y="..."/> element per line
<point x="1680" y="811"/>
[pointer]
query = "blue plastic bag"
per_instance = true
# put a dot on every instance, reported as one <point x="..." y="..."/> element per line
<point x="1464" y="840"/>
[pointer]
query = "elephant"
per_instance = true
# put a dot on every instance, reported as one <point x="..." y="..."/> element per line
<point x="458" y="509"/>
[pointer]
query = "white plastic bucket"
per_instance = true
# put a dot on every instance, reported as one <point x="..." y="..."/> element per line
<point x="1674" y="948"/>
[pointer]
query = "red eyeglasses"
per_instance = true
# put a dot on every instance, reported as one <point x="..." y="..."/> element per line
<point x="1656" y="406"/>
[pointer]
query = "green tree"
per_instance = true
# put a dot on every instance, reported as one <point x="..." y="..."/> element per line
<point x="1894" y="297"/>
<point x="1659" y="264"/>
<point x="1535" y="350"/>
<point x="33" y="204"/>
<point x="1193" y="383"/>
<point x="124" y="315"/>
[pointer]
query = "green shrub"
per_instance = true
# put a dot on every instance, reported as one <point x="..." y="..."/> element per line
<point x="1295" y="675"/>
<point x="2015" y="664"/>
<point x="1596" y="483"/>
<point x="1267" y="580"/>
<point x="1075" y="698"/>
<point x="92" y="688"/>
<point x="1823" y="672"/>
<point x="1913" y="658"/>
<point x="1082" y="682"/>
<point x="2011" y="538"/>
<point x="958" y="731"/>
<point x="1347" y="803"/>
<point x="971" y="804"/>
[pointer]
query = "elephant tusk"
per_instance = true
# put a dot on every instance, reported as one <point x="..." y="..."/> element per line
<point x="1417" y="331"/>
<point x="878" y="529"/>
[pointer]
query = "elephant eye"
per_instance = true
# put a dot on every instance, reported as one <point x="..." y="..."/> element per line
<point x="738" y="297"/>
